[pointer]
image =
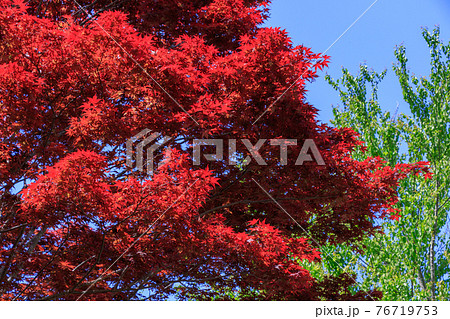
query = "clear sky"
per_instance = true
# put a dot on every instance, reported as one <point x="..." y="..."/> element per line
<point x="372" y="40"/>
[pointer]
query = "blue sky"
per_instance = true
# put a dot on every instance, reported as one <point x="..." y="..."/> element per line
<point x="372" y="40"/>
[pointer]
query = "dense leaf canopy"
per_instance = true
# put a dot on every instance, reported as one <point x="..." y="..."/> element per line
<point x="76" y="83"/>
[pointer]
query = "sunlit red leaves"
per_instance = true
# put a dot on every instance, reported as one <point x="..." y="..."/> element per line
<point x="73" y="188"/>
<point x="71" y="96"/>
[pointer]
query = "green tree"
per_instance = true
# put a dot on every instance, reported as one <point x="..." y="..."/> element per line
<point x="409" y="259"/>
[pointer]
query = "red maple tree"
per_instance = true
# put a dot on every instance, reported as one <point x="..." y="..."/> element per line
<point x="79" y="78"/>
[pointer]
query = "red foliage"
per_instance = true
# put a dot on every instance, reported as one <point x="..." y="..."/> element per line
<point x="70" y="98"/>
